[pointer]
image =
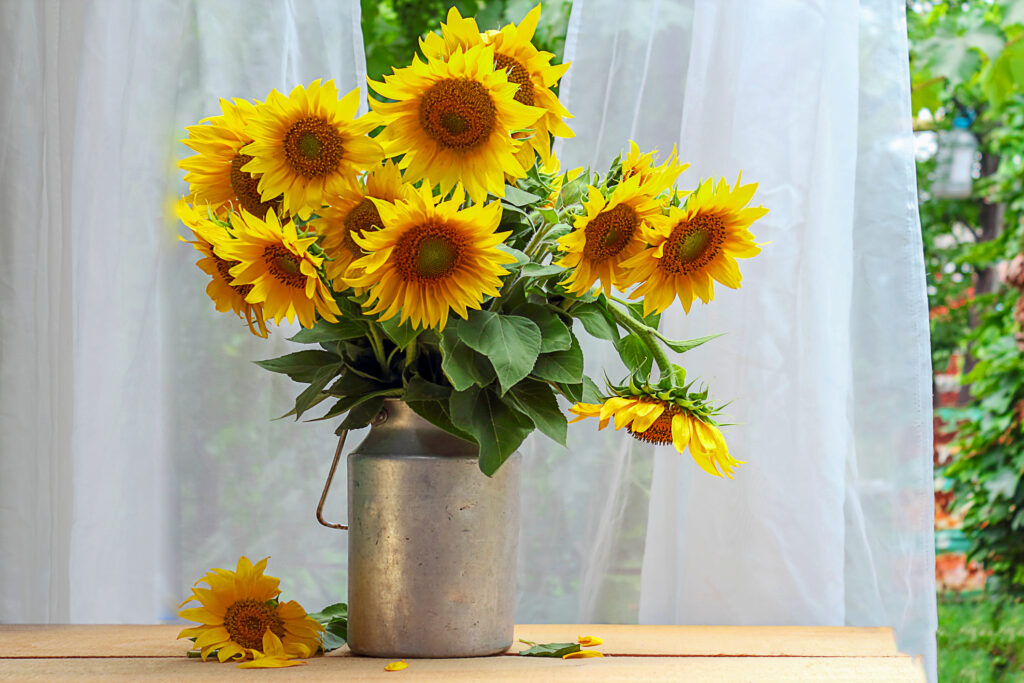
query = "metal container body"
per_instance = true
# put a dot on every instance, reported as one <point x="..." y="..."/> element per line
<point x="432" y="543"/>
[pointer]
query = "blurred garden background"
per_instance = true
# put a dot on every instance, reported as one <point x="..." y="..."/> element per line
<point x="967" y="70"/>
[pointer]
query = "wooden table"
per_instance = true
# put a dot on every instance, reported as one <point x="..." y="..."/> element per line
<point x="664" y="653"/>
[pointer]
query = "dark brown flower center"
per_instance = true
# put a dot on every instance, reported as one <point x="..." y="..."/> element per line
<point x="429" y="252"/>
<point x="246" y="189"/>
<point x="363" y="217"/>
<point x="247" y="620"/>
<point x="312" y="147"/>
<point x="693" y="244"/>
<point x="517" y="74"/>
<point x="284" y="266"/>
<point x="660" y="432"/>
<point x="458" y="113"/>
<point x="609" y="232"/>
<point x="224" y="268"/>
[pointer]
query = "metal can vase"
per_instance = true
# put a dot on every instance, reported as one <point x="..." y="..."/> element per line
<point x="432" y="543"/>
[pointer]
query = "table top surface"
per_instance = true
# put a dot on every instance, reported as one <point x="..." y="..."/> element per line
<point x="720" y="653"/>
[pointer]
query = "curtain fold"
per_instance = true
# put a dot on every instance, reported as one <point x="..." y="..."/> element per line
<point x="826" y="354"/>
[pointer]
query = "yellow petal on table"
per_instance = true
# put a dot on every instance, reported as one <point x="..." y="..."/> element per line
<point x="273" y="655"/>
<point x="589" y="641"/>
<point x="582" y="654"/>
<point x="396" y="666"/>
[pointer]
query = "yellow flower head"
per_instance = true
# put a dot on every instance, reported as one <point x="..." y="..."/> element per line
<point x="353" y="212"/>
<point x="527" y="67"/>
<point x="276" y="262"/>
<point x="430" y="258"/>
<point x="226" y="296"/>
<point x="658" y="421"/>
<point x="453" y="119"/>
<point x="606" y="236"/>
<point x="694" y="245"/>
<point x="654" y="179"/>
<point x="308" y="144"/>
<point x="237" y="612"/>
<point x="214" y="175"/>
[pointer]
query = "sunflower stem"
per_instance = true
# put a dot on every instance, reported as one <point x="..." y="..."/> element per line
<point x="378" y="347"/>
<point x="537" y="238"/>
<point x="646" y="335"/>
<point x="410" y="353"/>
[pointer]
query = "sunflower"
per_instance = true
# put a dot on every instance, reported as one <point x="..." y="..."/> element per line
<point x="605" y="236"/>
<point x="654" y="179"/>
<point x="453" y="119"/>
<point x="215" y="174"/>
<point x="657" y="421"/>
<point x="430" y="258"/>
<point x="276" y="262"/>
<point x="694" y="245"/>
<point x="553" y="170"/>
<point x="226" y="297"/>
<point x="239" y="609"/>
<point x="308" y="144"/>
<point x="527" y="67"/>
<point x="353" y="211"/>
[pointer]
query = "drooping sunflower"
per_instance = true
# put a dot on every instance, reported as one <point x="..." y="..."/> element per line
<point x="527" y="67"/>
<point x="226" y="297"/>
<point x="654" y="179"/>
<point x="308" y="144"/>
<point x="694" y="245"/>
<point x="353" y="212"/>
<point x="214" y="175"/>
<point x="658" y="421"/>
<point x="607" y="235"/>
<point x="276" y="262"/>
<point x="430" y="258"/>
<point x="453" y="119"/>
<point x="237" y="611"/>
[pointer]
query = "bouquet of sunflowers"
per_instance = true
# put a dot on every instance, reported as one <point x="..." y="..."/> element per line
<point x="433" y="251"/>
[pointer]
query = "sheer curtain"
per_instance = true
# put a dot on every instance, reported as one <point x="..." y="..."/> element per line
<point x="826" y="355"/>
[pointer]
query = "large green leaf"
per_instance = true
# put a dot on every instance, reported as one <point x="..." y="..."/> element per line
<point x="685" y="345"/>
<point x="324" y="331"/>
<point x="301" y="366"/>
<point x="400" y="334"/>
<point x="496" y="428"/>
<point x="538" y="402"/>
<point x="555" y="334"/>
<point x="436" y="412"/>
<point x="595" y="320"/>
<point x="419" y="389"/>
<point x="510" y="342"/>
<point x="463" y="366"/>
<point x="561" y="366"/>
<point x="313" y="394"/>
<point x="517" y="197"/>
<point x="362" y="414"/>
<point x="635" y="354"/>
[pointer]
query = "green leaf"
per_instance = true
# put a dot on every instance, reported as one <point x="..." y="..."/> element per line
<point x="551" y="650"/>
<point x="635" y="354"/>
<point x="561" y="366"/>
<point x="560" y="230"/>
<point x="313" y="394"/>
<point x="521" y="258"/>
<point x="687" y="344"/>
<point x="517" y="197"/>
<point x="400" y="334"/>
<point x="463" y="366"/>
<point x="419" y="389"/>
<point x="324" y="331"/>
<point x="595" y="320"/>
<point x="573" y="392"/>
<point x="537" y="401"/>
<point x="541" y="270"/>
<point x="301" y="366"/>
<point x="436" y="413"/>
<point x="362" y="413"/>
<point x="510" y="342"/>
<point x="335" y="635"/>
<point x="338" y="610"/>
<point x="555" y="334"/>
<point x="591" y="392"/>
<point x="496" y="428"/>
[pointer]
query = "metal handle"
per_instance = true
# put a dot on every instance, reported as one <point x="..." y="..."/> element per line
<point x="327" y="485"/>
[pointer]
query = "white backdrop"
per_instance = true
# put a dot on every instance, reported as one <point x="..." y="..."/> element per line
<point x="826" y="355"/>
<point x="136" y="448"/>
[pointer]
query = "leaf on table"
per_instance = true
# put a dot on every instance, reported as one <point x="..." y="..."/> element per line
<point x="551" y="650"/>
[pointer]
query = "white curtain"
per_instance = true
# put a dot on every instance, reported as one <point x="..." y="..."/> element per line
<point x="136" y="447"/>
<point x="827" y="354"/>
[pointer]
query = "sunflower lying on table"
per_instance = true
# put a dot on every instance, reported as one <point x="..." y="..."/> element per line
<point x="433" y="250"/>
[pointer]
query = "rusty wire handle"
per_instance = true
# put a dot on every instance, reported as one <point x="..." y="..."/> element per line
<point x="327" y="485"/>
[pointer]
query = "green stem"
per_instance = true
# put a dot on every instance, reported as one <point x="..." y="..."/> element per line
<point x="410" y="353"/>
<point x="378" y="347"/>
<point x="646" y="335"/>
